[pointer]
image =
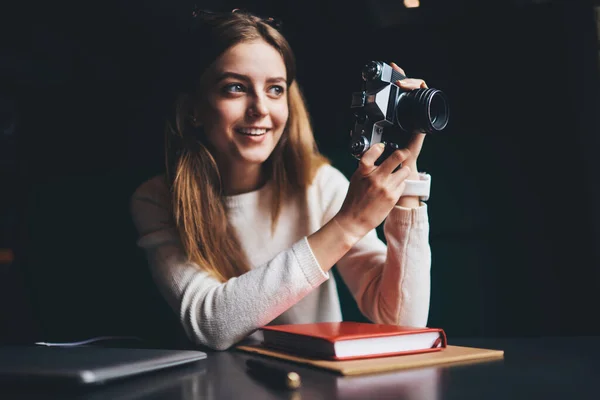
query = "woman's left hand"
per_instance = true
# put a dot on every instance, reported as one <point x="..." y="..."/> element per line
<point x="416" y="142"/>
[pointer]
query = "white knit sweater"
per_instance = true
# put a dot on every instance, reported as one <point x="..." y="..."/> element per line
<point x="391" y="284"/>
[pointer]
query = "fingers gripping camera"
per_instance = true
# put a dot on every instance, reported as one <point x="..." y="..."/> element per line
<point x="385" y="113"/>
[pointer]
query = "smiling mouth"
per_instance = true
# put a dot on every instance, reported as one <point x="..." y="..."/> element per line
<point x="252" y="131"/>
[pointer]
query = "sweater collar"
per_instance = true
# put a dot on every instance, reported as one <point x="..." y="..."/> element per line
<point x="252" y="198"/>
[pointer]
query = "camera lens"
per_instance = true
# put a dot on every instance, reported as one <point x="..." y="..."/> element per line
<point x="423" y="110"/>
<point x="438" y="111"/>
<point x="371" y="70"/>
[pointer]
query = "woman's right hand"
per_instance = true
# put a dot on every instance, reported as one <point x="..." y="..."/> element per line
<point x="373" y="192"/>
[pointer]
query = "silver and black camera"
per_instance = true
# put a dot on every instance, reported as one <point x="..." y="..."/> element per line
<point x="386" y="113"/>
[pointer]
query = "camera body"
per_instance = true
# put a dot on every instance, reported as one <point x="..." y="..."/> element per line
<point x="385" y="113"/>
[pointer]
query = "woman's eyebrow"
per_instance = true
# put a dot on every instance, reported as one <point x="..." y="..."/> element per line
<point x="246" y="78"/>
<point x="234" y="75"/>
<point x="276" y="79"/>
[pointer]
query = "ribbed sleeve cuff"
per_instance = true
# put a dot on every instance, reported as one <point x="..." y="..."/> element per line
<point x="308" y="263"/>
<point x="408" y="216"/>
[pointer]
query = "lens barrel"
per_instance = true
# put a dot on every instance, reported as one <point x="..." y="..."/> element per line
<point x="424" y="110"/>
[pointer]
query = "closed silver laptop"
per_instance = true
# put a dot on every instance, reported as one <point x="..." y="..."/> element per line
<point x="86" y="365"/>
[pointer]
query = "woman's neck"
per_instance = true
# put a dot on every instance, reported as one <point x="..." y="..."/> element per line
<point x="239" y="180"/>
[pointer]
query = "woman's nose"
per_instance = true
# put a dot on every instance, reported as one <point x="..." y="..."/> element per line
<point x="258" y="107"/>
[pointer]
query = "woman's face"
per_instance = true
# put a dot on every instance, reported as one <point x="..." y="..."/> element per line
<point x="245" y="109"/>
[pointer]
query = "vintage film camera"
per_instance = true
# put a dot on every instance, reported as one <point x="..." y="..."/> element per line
<point x="386" y="113"/>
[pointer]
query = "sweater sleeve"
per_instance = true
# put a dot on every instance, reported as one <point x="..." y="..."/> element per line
<point x="391" y="284"/>
<point x="213" y="313"/>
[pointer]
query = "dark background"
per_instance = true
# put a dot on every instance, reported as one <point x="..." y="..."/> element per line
<point x="514" y="221"/>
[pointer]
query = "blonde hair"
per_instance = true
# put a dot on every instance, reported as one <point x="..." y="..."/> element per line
<point x="198" y="201"/>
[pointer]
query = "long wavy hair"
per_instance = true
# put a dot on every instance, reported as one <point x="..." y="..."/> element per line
<point x="198" y="200"/>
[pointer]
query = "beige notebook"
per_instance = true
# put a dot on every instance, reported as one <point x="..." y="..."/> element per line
<point x="451" y="354"/>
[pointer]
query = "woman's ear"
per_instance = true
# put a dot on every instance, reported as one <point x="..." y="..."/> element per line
<point x="190" y="110"/>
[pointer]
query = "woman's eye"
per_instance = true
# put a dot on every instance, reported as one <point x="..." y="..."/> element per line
<point x="277" y="90"/>
<point x="234" y="88"/>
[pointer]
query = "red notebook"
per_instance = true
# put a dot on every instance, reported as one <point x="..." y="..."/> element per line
<point x="352" y="340"/>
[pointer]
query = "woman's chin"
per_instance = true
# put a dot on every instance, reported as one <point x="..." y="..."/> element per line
<point x="254" y="157"/>
<point x="256" y="154"/>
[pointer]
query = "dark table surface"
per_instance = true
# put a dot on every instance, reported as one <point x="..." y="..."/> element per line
<point x="532" y="368"/>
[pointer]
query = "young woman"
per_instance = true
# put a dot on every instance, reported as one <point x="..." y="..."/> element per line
<point x="249" y="218"/>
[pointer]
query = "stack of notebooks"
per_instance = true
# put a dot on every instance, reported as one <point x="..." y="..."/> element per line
<point x="354" y="348"/>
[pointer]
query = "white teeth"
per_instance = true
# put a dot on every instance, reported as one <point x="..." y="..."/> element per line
<point x="252" y="131"/>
